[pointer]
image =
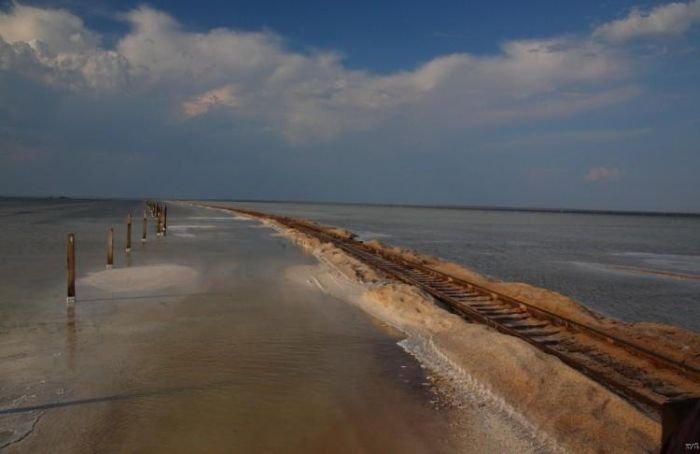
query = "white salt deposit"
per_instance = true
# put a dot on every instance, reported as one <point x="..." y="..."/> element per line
<point x="185" y="230"/>
<point x="146" y="278"/>
<point x="212" y="218"/>
<point x="181" y="227"/>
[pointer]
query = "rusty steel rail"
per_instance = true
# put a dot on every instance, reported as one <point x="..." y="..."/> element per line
<point x="663" y="386"/>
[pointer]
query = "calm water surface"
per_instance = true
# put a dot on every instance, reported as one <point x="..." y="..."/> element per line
<point x="614" y="264"/>
<point x="221" y="355"/>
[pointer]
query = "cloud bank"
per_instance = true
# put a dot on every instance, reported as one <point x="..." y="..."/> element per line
<point x="307" y="96"/>
<point x="666" y="20"/>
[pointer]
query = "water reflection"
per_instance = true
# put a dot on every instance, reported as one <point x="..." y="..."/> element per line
<point x="117" y="397"/>
<point x="71" y="336"/>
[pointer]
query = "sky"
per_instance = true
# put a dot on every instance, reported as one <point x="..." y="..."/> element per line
<point x="579" y="104"/>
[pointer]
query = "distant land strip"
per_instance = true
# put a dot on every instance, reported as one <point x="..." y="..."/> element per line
<point x="684" y="276"/>
<point x="384" y="205"/>
<point x="472" y="207"/>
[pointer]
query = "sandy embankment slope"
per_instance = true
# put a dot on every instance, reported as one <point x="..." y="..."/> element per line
<point x="672" y="341"/>
<point x="562" y="406"/>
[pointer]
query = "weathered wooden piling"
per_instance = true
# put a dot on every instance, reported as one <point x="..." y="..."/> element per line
<point x="128" y="233"/>
<point x="165" y="220"/>
<point x="70" y="268"/>
<point x="110" y="247"/>
<point x="144" y="228"/>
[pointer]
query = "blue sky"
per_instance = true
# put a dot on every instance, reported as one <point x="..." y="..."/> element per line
<point x="381" y="36"/>
<point x="549" y="104"/>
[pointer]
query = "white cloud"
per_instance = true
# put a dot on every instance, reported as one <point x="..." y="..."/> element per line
<point x="57" y="30"/>
<point x="310" y="96"/>
<point x="597" y="174"/>
<point x="666" y="20"/>
<point x="55" y="46"/>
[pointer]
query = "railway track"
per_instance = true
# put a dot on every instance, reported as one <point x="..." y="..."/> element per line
<point x="666" y="388"/>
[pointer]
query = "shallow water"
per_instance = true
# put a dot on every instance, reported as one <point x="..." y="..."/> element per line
<point x="630" y="267"/>
<point x="193" y="342"/>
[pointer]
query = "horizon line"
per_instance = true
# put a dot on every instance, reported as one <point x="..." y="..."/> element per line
<point x="396" y="205"/>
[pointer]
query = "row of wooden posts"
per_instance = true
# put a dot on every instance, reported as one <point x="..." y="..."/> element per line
<point x="159" y="211"/>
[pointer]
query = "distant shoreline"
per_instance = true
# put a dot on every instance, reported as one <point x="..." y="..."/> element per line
<point x="397" y="205"/>
<point x="475" y="208"/>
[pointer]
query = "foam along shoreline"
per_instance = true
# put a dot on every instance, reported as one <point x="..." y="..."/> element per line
<point x="561" y="406"/>
<point x="478" y="416"/>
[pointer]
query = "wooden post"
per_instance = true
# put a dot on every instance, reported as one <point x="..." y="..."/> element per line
<point x="128" y="233"/>
<point x="165" y="220"/>
<point x="144" y="228"/>
<point x="70" y="268"/>
<point x="110" y="247"/>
